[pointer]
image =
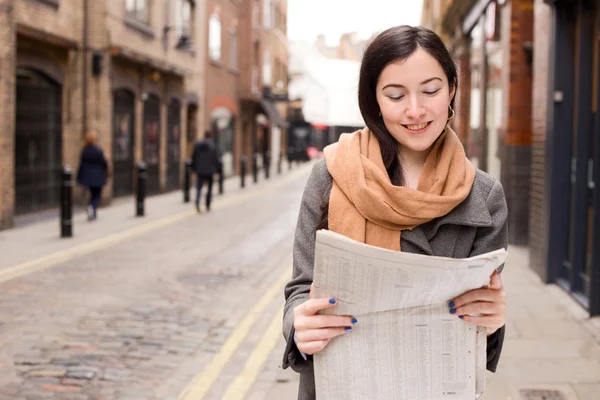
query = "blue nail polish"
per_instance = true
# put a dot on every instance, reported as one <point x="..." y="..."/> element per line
<point x="461" y="316"/>
<point x="331" y="301"/>
<point x="354" y="320"/>
<point x="348" y="329"/>
<point x="451" y="304"/>
<point x="453" y="311"/>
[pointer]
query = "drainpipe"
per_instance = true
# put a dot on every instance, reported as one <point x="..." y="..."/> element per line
<point x="84" y="88"/>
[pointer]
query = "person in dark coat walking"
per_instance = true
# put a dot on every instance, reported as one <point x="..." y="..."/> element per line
<point x="206" y="161"/>
<point x="93" y="172"/>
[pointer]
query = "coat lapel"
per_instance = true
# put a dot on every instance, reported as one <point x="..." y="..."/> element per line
<point x="416" y="238"/>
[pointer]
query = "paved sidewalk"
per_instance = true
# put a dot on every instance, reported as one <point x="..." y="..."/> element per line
<point x="38" y="239"/>
<point x="551" y="344"/>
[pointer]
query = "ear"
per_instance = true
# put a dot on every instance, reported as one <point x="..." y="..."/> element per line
<point x="452" y="91"/>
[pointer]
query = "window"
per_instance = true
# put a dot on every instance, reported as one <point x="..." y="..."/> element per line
<point x="137" y="9"/>
<point x="214" y="37"/>
<point x="267" y="13"/>
<point x="233" y="47"/>
<point x="267" y="69"/>
<point x="183" y="18"/>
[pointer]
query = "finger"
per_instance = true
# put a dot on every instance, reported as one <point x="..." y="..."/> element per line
<point x="481" y="307"/>
<point x="323" y="321"/>
<point x="312" y="306"/>
<point x="474" y="296"/>
<point x="312" y="347"/>
<point x="311" y="291"/>
<point x="311" y="335"/>
<point x="496" y="281"/>
<point x="485" y="321"/>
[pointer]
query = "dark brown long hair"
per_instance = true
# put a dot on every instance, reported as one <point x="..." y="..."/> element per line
<point x="392" y="45"/>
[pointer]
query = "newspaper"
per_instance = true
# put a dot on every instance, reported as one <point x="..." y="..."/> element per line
<point x="406" y="344"/>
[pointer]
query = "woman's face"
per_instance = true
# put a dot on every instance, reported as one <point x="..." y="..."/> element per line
<point x="414" y="96"/>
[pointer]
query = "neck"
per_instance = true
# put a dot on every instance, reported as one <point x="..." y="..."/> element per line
<point x="413" y="159"/>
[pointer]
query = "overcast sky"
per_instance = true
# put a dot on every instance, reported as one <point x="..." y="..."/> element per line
<point x="308" y="18"/>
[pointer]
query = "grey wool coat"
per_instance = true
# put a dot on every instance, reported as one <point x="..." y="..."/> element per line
<point x="476" y="226"/>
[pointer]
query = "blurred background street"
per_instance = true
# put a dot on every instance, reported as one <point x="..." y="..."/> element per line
<point x="146" y="298"/>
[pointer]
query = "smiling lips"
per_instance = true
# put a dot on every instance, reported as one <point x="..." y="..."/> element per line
<point x="417" y="128"/>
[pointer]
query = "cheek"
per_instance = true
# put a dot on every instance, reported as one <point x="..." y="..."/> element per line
<point x="390" y="111"/>
<point x="440" y="107"/>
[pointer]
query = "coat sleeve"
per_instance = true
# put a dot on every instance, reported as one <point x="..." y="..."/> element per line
<point x="489" y="239"/>
<point x="314" y="202"/>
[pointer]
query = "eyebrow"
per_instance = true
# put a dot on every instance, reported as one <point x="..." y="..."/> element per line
<point x="397" y="85"/>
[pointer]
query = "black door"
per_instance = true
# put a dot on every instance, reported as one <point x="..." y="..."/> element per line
<point x="152" y="143"/>
<point x="123" y="142"/>
<point x="577" y="269"/>
<point x="173" y="144"/>
<point x="38" y="147"/>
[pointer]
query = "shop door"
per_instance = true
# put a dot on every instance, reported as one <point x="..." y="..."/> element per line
<point x="152" y="143"/>
<point x="38" y="147"/>
<point x="173" y="144"/>
<point x="123" y="142"/>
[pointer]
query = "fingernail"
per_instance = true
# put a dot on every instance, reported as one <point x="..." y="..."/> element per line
<point x="331" y="301"/>
<point x="453" y="311"/>
<point x="354" y="320"/>
<point x="348" y="328"/>
<point x="451" y="304"/>
<point x="461" y="316"/>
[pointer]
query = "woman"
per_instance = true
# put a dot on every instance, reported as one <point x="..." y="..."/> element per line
<point x="402" y="183"/>
<point x="93" y="172"/>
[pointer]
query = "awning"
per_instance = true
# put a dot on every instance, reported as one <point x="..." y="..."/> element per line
<point x="274" y="116"/>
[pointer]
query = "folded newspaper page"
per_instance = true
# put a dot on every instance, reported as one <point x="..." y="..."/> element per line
<point x="406" y="345"/>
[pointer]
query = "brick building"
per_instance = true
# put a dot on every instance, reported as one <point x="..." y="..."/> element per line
<point x="127" y="69"/>
<point x="530" y="117"/>
<point x="263" y="80"/>
<point x="222" y="114"/>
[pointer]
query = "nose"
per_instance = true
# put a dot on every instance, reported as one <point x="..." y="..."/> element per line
<point x="415" y="109"/>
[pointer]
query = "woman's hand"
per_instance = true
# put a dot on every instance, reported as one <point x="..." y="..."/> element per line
<point x="489" y="303"/>
<point x="313" y="332"/>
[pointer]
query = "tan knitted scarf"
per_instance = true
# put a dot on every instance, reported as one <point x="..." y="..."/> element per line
<point x="365" y="206"/>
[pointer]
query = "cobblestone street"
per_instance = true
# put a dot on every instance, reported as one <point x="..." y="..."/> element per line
<point x="140" y="318"/>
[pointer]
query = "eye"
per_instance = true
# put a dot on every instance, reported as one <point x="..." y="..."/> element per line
<point x="432" y="92"/>
<point x="396" y="97"/>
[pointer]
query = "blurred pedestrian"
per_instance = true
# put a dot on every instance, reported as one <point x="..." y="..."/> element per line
<point x="401" y="183"/>
<point x="206" y="161"/>
<point x="93" y="172"/>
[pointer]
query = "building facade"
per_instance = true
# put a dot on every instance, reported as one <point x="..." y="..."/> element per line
<point x="528" y="115"/>
<point x="222" y="76"/>
<point x="129" y="70"/>
<point x="264" y="81"/>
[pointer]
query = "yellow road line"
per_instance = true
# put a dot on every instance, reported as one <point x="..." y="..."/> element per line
<point x="201" y="384"/>
<point x="51" y="260"/>
<point x="244" y="381"/>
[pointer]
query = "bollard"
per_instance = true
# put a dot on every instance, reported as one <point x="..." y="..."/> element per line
<point x="255" y="167"/>
<point x="221" y="179"/>
<point x="187" y="181"/>
<point x="267" y="164"/>
<point x="66" y="203"/>
<point x="279" y="162"/>
<point x="243" y="172"/>
<point x="142" y="171"/>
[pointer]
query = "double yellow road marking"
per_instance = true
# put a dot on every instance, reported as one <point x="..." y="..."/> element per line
<point x="201" y="384"/>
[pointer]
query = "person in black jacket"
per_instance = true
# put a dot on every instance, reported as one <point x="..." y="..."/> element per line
<point x="206" y="161"/>
<point x="93" y="172"/>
